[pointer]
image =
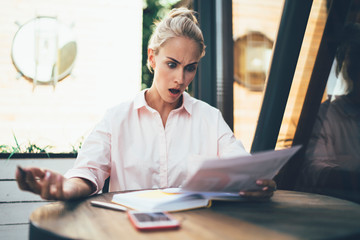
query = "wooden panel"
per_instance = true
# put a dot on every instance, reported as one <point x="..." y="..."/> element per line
<point x="16" y="213"/>
<point x="18" y="231"/>
<point x="11" y="193"/>
<point x="16" y="205"/>
<point x="7" y="167"/>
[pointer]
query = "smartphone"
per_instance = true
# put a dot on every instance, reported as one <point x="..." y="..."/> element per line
<point x="152" y="220"/>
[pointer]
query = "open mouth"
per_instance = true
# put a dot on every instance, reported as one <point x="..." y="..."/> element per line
<point x="174" y="91"/>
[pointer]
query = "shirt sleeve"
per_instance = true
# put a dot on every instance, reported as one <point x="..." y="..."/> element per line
<point x="228" y="145"/>
<point x="93" y="161"/>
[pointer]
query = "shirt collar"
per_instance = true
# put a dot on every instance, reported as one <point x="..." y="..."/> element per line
<point x="187" y="102"/>
<point x="140" y="102"/>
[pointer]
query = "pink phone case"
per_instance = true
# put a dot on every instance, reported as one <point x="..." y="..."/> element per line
<point x="154" y="227"/>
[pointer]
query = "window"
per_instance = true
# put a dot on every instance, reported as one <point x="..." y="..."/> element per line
<point x="107" y="70"/>
<point x="255" y="25"/>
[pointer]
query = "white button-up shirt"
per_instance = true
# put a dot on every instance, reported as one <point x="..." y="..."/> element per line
<point x="132" y="146"/>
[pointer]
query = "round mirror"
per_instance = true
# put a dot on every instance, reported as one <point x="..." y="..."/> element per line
<point x="44" y="50"/>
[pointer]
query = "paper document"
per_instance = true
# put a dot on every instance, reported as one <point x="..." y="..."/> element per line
<point x="215" y="179"/>
<point x="237" y="174"/>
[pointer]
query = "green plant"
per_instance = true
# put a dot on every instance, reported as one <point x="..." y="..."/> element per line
<point x="33" y="148"/>
<point x="76" y="147"/>
<point x="5" y="148"/>
<point x="29" y="148"/>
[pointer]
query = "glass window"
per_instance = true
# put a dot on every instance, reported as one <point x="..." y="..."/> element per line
<point x="331" y="164"/>
<point x="262" y="18"/>
<point x="306" y="61"/>
<point x="255" y="26"/>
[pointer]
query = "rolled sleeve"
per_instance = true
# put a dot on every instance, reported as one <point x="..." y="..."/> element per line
<point x="228" y="145"/>
<point x="93" y="161"/>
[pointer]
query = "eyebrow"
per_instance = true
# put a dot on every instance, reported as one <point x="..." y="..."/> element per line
<point x="173" y="59"/>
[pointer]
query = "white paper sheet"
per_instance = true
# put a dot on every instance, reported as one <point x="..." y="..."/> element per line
<point x="237" y="174"/>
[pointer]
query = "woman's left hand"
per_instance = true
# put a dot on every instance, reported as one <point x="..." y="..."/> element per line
<point x="267" y="190"/>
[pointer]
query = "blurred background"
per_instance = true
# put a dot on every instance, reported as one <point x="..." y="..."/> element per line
<point x="64" y="63"/>
<point x="106" y="69"/>
<point x="106" y="65"/>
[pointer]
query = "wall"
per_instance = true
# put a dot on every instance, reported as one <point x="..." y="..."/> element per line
<point x="106" y="71"/>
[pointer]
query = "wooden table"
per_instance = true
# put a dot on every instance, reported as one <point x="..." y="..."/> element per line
<point x="288" y="215"/>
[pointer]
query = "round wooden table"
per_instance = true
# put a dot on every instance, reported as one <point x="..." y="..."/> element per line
<point x="288" y="215"/>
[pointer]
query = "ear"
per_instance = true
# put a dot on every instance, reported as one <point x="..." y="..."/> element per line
<point x="151" y="58"/>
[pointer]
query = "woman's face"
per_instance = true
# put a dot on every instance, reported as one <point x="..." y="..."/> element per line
<point x="174" y="67"/>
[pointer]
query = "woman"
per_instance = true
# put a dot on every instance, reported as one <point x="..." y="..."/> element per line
<point x="149" y="142"/>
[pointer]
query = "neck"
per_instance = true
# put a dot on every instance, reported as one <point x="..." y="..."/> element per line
<point x="155" y="101"/>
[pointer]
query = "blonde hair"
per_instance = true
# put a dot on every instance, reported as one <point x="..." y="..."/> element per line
<point x="180" y="22"/>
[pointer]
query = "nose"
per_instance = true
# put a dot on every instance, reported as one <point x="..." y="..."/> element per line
<point x="180" y="76"/>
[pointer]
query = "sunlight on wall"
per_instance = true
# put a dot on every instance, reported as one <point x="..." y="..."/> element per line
<point x="107" y="71"/>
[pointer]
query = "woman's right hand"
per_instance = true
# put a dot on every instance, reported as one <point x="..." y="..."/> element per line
<point x="51" y="185"/>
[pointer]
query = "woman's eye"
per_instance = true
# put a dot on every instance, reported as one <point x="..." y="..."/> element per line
<point x="172" y="65"/>
<point x="191" y="68"/>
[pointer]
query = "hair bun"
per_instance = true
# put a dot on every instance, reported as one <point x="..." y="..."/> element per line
<point x="179" y="22"/>
<point x="183" y="12"/>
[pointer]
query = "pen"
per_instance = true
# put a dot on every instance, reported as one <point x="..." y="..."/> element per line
<point x="108" y="205"/>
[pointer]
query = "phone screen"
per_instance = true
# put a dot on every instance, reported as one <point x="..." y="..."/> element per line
<point x="151" y="217"/>
<point x="152" y="220"/>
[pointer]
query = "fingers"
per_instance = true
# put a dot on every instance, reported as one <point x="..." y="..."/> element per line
<point x="266" y="192"/>
<point x="52" y="188"/>
<point x="33" y="181"/>
<point x="48" y="184"/>
<point x="59" y="194"/>
<point x="38" y="172"/>
<point x="45" y="190"/>
<point x="27" y="180"/>
<point x="267" y="184"/>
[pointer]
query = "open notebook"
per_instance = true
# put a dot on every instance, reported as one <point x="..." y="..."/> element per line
<point x="220" y="179"/>
<point x="170" y="200"/>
